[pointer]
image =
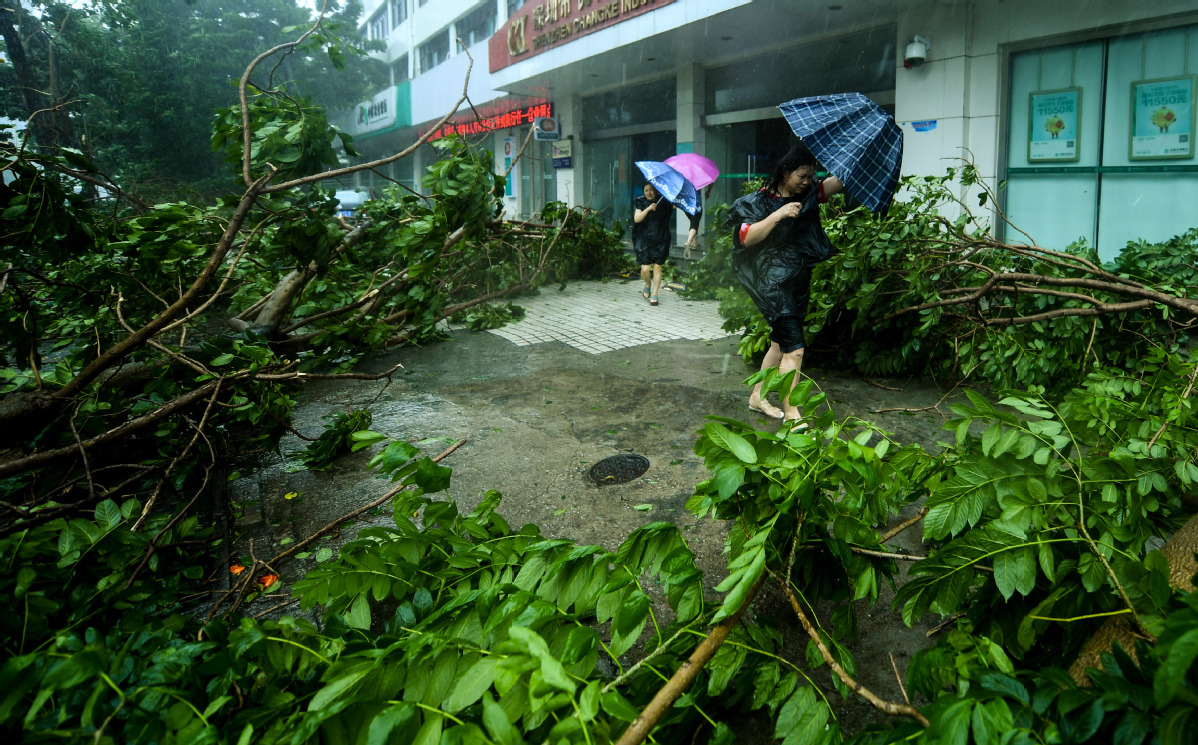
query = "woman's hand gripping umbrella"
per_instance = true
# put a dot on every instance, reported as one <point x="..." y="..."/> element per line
<point x="855" y="139"/>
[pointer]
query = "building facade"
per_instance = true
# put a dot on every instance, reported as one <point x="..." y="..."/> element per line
<point x="1085" y="111"/>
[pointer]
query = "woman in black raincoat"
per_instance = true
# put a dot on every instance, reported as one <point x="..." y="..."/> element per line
<point x="777" y="240"/>
<point x="652" y="220"/>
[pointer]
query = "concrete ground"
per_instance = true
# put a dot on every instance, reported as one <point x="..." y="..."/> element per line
<point x="590" y="372"/>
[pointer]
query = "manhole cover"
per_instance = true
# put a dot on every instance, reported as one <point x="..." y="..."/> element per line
<point x="618" y="469"/>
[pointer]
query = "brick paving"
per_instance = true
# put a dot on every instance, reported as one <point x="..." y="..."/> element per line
<point x="604" y="316"/>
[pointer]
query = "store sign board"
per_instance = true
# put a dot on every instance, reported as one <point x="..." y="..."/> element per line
<point x="501" y="114"/>
<point x="546" y="128"/>
<point x="540" y="26"/>
<point x="376" y="114"/>
<point x="1053" y="120"/>
<point x="1162" y="118"/>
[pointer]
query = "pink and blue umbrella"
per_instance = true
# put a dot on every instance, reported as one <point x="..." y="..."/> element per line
<point x="697" y="169"/>
<point x="855" y="139"/>
<point x="670" y="184"/>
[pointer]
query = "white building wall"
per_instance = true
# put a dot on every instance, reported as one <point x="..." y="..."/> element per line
<point x="960" y="85"/>
<point x="434" y="92"/>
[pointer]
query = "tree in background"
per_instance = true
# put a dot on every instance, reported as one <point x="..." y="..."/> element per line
<point x="141" y="78"/>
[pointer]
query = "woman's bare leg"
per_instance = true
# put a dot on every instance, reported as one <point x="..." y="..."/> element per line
<point x="791" y="361"/>
<point x="773" y="357"/>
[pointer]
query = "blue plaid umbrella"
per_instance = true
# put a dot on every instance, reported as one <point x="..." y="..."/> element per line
<point x="670" y="184"/>
<point x="854" y="139"/>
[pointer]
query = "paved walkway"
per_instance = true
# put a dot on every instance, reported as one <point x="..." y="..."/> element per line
<point x="603" y="316"/>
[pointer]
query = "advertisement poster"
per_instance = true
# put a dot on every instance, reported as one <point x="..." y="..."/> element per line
<point x="1162" y="118"/>
<point x="1053" y="125"/>
<point x="563" y="154"/>
<point x="509" y="152"/>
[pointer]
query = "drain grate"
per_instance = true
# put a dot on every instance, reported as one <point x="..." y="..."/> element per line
<point x="618" y="469"/>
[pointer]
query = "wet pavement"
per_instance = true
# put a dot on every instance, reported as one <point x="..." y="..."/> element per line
<point x="589" y="373"/>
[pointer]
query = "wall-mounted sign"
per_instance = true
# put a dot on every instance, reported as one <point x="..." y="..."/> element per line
<point x="1162" y="118"/>
<point x="563" y="154"/>
<point x="509" y="152"/>
<point x="1053" y="118"/>
<point x="540" y="26"/>
<point x="500" y="114"/>
<point x="375" y="114"/>
<point x="545" y="128"/>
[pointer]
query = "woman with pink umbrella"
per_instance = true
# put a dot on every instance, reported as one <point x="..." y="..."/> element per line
<point x="701" y="172"/>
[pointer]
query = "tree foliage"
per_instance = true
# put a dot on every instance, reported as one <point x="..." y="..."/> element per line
<point x="140" y="79"/>
<point x="927" y="289"/>
<point x="1050" y="514"/>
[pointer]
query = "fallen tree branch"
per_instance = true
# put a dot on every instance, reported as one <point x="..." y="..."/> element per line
<point x="903" y="526"/>
<point x="351" y="515"/>
<point x="684" y="675"/>
<point x="889" y="707"/>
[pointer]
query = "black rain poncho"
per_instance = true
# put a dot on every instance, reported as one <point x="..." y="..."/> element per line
<point x="651" y="237"/>
<point x="777" y="271"/>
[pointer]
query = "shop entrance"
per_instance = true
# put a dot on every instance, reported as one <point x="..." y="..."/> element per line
<point x="612" y="178"/>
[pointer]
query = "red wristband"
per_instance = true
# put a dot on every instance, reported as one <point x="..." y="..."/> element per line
<point x="744" y="231"/>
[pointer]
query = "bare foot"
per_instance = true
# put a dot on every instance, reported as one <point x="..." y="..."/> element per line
<point x="764" y="407"/>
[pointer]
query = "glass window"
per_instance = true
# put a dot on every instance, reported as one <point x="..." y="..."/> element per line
<point x="1071" y="175"/>
<point x="514" y="5"/>
<point x="399" y="12"/>
<point x="477" y="25"/>
<point x="434" y="51"/>
<point x="640" y="104"/>
<point x="422" y="3"/>
<point x="858" y="62"/>
<point x="399" y="70"/>
<point x="378" y="28"/>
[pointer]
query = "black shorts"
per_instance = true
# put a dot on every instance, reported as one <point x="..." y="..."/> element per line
<point x="787" y="331"/>
<point x="646" y="255"/>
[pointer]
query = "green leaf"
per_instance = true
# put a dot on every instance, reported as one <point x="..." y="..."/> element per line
<point x="588" y="702"/>
<point x="1005" y="685"/>
<point x="386" y="723"/>
<point x="471" y="684"/>
<point x="991" y="721"/>
<point x="108" y="514"/>
<point x="338" y="686"/>
<point x="730" y="441"/>
<point x="803" y="719"/>
<point x="499" y="727"/>
<point x="430" y="733"/>
<point x="552" y="671"/>
<point x="430" y="476"/>
<point x="358" y="615"/>
<point x="953" y="722"/>
<point x="393" y="457"/>
<point x="619" y="707"/>
<point x="72" y="671"/>
<point x="743" y="581"/>
<point x="1171" y="677"/>
<point x="1015" y="570"/>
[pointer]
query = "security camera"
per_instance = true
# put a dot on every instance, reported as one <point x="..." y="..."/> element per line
<point x="917" y="52"/>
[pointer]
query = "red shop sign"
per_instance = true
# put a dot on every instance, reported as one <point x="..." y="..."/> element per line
<point x="540" y="26"/>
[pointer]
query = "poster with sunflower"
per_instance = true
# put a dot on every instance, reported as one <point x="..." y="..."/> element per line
<point x="1162" y="118"/>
